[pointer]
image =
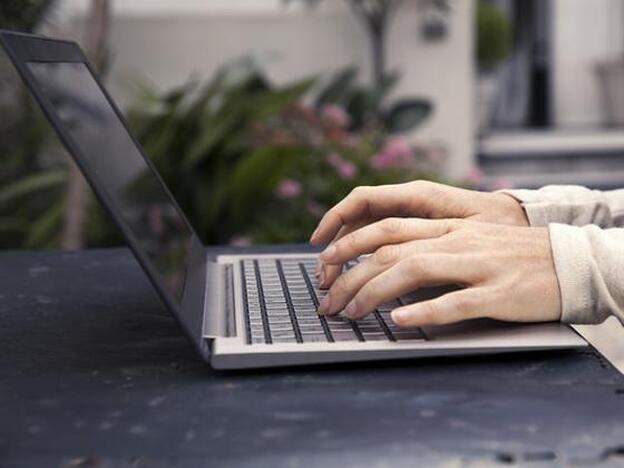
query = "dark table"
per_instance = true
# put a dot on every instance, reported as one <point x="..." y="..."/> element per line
<point x="95" y="373"/>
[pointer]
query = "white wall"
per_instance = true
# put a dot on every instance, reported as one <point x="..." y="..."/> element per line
<point x="585" y="34"/>
<point x="168" y="41"/>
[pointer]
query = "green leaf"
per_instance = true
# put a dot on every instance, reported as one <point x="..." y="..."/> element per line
<point x="339" y="89"/>
<point x="407" y="114"/>
<point x="274" y="102"/>
<point x="388" y="83"/>
<point x="11" y="225"/>
<point x="210" y="136"/>
<point x="32" y="184"/>
<point x="255" y="177"/>
<point x="42" y="231"/>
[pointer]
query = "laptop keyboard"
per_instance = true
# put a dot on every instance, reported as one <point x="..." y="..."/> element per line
<point x="281" y="299"/>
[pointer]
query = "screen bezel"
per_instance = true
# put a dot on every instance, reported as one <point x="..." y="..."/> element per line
<point x="25" y="48"/>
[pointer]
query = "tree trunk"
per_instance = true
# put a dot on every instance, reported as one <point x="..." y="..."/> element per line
<point x="376" y="16"/>
<point x="72" y="237"/>
<point x="378" y="45"/>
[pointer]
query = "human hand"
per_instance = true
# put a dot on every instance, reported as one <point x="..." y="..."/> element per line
<point x="506" y="272"/>
<point x="422" y="199"/>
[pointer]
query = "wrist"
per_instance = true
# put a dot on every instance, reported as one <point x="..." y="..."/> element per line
<point x="513" y="212"/>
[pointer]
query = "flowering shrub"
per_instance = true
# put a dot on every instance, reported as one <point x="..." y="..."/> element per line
<point x="249" y="162"/>
<point x="328" y="161"/>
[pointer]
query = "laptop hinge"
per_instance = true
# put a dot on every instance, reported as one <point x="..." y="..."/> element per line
<point x="218" y="302"/>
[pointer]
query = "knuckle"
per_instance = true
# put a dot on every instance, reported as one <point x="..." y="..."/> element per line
<point x="392" y="226"/>
<point x="360" y="191"/>
<point x="457" y="223"/>
<point x="368" y="294"/>
<point x="420" y="184"/>
<point x="386" y="255"/>
<point x="341" y="285"/>
<point x="458" y="303"/>
<point x="352" y="242"/>
<point x="429" y="313"/>
<point x="417" y="265"/>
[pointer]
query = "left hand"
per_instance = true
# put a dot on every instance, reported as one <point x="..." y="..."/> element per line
<point x="506" y="272"/>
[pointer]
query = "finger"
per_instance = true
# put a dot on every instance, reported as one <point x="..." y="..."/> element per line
<point x="351" y="281"/>
<point x="329" y="273"/>
<point x="448" y="308"/>
<point x="388" y="231"/>
<point x="361" y="203"/>
<point x="414" y="272"/>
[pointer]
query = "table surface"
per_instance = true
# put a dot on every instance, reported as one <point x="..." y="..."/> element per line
<point x="95" y="373"/>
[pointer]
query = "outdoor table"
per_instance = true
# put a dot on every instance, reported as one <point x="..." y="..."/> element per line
<point x="95" y="373"/>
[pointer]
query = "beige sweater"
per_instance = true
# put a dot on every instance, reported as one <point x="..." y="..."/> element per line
<point x="587" y="237"/>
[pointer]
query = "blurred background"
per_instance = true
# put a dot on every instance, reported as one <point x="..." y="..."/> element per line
<point x="261" y="114"/>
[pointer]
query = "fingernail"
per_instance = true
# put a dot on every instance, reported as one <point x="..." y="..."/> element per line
<point x="350" y="310"/>
<point x="317" y="272"/>
<point x="324" y="305"/>
<point x="329" y="252"/>
<point x="314" y="234"/>
<point x="399" y="316"/>
<point x="322" y="277"/>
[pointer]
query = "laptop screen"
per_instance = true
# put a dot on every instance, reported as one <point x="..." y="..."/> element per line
<point x="119" y="168"/>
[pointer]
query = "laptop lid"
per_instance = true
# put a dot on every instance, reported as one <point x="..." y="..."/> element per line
<point x="96" y="135"/>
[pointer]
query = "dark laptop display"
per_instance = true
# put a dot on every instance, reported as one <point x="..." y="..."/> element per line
<point x="113" y="158"/>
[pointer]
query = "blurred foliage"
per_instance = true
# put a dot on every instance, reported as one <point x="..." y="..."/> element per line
<point x="31" y="182"/>
<point x="23" y="15"/>
<point x="494" y="35"/>
<point x="249" y="161"/>
<point x="33" y="176"/>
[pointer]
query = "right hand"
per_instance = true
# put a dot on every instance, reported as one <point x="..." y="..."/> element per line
<point x="422" y="199"/>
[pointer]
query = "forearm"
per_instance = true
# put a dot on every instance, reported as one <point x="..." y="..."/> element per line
<point x="569" y="204"/>
<point x="589" y="262"/>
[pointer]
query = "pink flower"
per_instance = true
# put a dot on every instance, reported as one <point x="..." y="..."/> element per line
<point x="501" y="184"/>
<point x="345" y="169"/>
<point x="288" y="188"/>
<point x="436" y="153"/>
<point x="314" y="209"/>
<point x="475" y="176"/>
<point x="396" y="153"/>
<point x="335" y="115"/>
<point x="240" y="241"/>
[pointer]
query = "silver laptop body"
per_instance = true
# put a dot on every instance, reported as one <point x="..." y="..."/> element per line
<point x="239" y="311"/>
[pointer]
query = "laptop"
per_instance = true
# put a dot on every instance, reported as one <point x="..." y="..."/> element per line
<point x="239" y="311"/>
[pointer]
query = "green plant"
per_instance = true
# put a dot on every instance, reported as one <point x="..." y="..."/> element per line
<point x="23" y="15"/>
<point x="32" y="176"/>
<point x="247" y="159"/>
<point x="367" y="105"/>
<point x="494" y="35"/>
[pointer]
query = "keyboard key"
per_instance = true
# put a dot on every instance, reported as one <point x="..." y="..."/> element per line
<point x="281" y="294"/>
<point x="381" y="336"/>
<point x="344" y="335"/>
<point x="314" y="337"/>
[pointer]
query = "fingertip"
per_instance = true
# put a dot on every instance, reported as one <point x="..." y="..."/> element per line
<point x="314" y="238"/>
<point x="324" y="306"/>
<point x="321" y="277"/>
<point x="400" y="316"/>
<point x="350" y="311"/>
<point x="328" y="254"/>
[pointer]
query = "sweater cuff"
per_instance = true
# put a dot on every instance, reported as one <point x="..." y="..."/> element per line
<point x="572" y="257"/>
<point x="539" y="212"/>
<point x="569" y="204"/>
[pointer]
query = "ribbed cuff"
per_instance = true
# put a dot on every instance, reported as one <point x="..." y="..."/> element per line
<point x="539" y="212"/>
<point x="572" y="257"/>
